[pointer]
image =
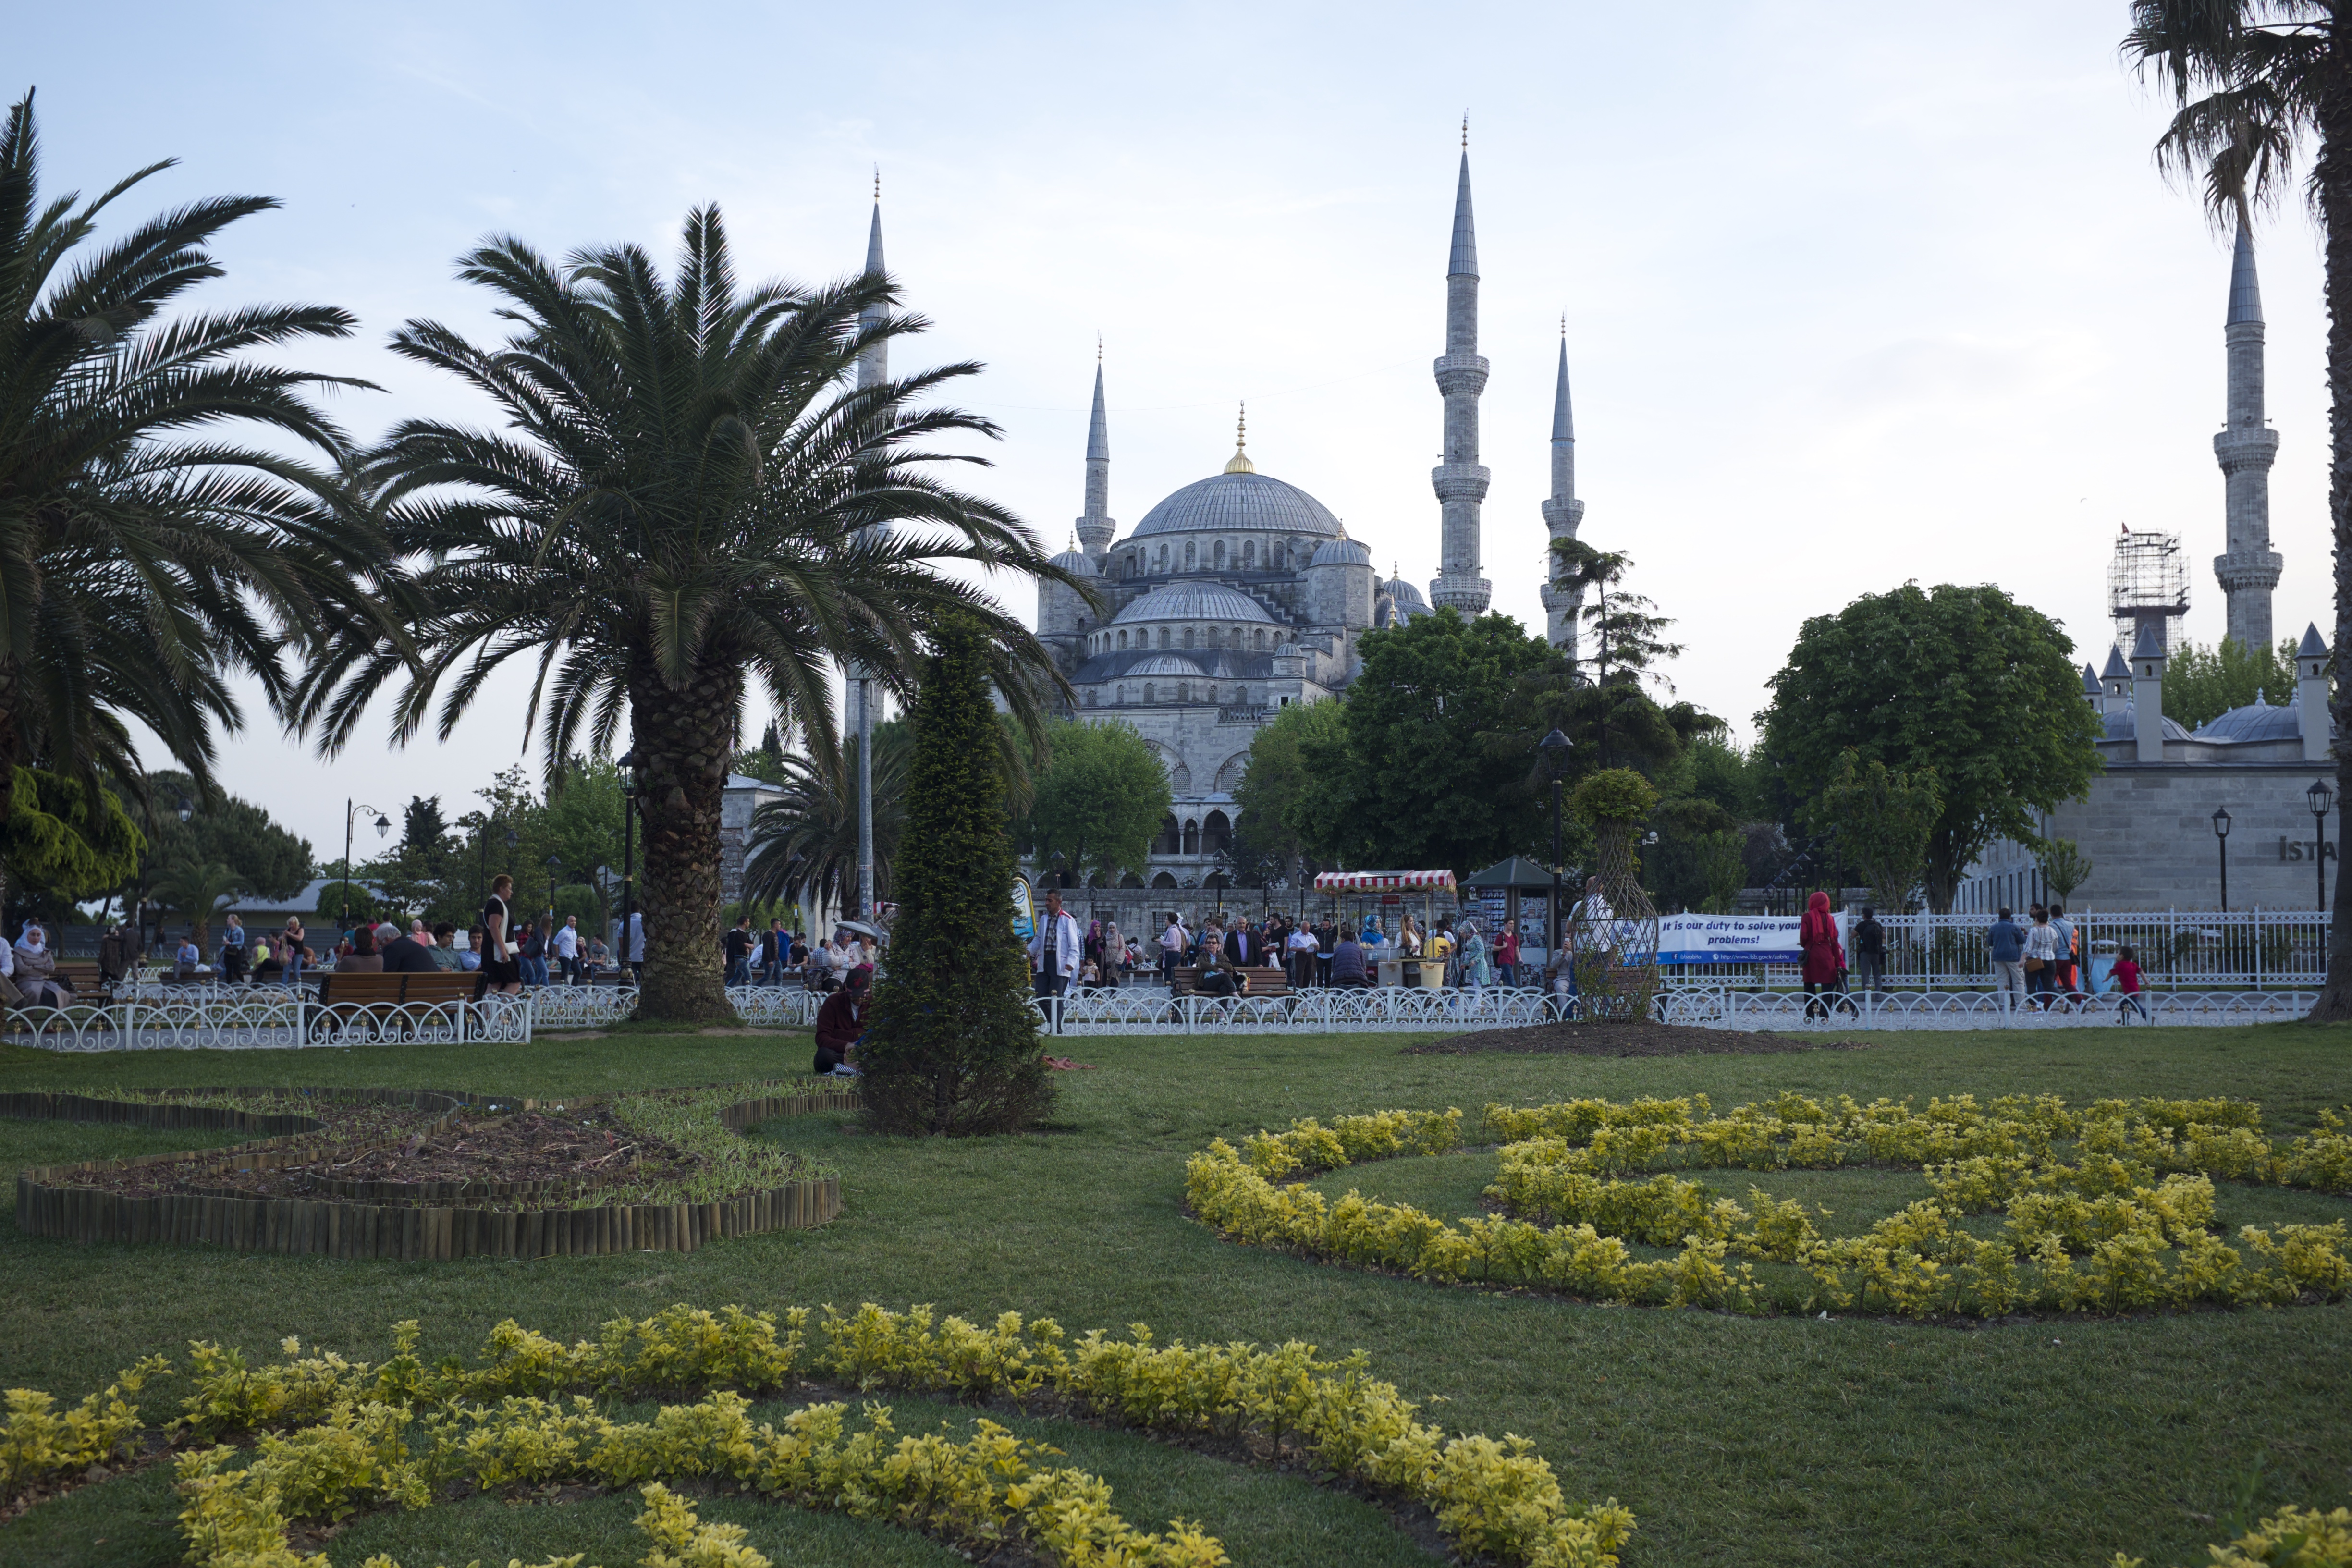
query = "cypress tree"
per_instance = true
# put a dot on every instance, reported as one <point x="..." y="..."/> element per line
<point x="951" y="1046"/>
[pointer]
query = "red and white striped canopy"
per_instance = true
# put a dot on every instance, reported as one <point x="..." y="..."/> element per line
<point x="1381" y="881"/>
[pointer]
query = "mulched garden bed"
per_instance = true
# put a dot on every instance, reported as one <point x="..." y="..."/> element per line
<point x="1622" y="1039"/>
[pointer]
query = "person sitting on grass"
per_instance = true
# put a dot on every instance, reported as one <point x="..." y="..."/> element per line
<point x="841" y="1024"/>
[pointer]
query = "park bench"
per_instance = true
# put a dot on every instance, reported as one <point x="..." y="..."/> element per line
<point x="345" y="998"/>
<point x="1264" y="980"/>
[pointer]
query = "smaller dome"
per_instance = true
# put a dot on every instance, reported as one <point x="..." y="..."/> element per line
<point x="1403" y="592"/>
<point x="2124" y="726"/>
<point x="1208" y="600"/>
<point x="2255" y="722"/>
<point x="1342" y="552"/>
<point x="1077" y="563"/>
<point x="1160" y="664"/>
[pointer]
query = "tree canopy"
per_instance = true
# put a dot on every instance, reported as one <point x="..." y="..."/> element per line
<point x="1275" y="833"/>
<point x="1099" y="801"/>
<point x="1966" y="681"/>
<point x="2202" y="683"/>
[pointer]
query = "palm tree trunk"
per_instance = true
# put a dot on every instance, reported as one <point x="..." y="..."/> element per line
<point x="2332" y="173"/>
<point x="682" y="740"/>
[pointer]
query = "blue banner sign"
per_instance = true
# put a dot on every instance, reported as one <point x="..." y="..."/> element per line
<point x="1731" y="939"/>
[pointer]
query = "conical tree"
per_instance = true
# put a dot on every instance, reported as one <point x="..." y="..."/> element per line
<point x="951" y="1045"/>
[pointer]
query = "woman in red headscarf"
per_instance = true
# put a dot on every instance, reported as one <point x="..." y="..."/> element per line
<point x="1817" y="939"/>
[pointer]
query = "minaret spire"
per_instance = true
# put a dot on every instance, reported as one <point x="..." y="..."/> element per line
<point x="1097" y="529"/>
<point x="1562" y="512"/>
<point x="2248" y="569"/>
<point x="1459" y="481"/>
<point x="874" y="364"/>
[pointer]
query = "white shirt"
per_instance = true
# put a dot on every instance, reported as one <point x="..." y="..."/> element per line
<point x="1302" y="940"/>
<point x="567" y="941"/>
<point x="1067" y="942"/>
<point x="637" y="938"/>
<point x="1172" y="940"/>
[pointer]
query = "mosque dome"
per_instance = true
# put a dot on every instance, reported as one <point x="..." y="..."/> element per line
<point x="1162" y="664"/>
<point x="1403" y="592"/>
<point x="1195" y="601"/>
<point x="2255" y="722"/>
<point x="1077" y="564"/>
<point x="2124" y="725"/>
<point x="1234" y="503"/>
<point x="1342" y="552"/>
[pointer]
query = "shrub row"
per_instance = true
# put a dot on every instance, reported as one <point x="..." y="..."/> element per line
<point x="2125" y="1225"/>
<point x="479" y="1419"/>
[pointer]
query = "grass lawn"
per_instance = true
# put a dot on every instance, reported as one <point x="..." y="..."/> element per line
<point x="1736" y="1441"/>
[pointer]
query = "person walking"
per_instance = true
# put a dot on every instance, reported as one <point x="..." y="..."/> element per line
<point x="636" y="947"/>
<point x="1302" y="947"/>
<point x="779" y="952"/>
<point x="1173" y="944"/>
<point x="1825" y="959"/>
<point x="2005" y="948"/>
<point x="2041" y="959"/>
<point x="1056" y="950"/>
<point x="1870" y="950"/>
<point x="1506" y="955"/>
<point x="739" y="953"/>
<point x="2128" y="999"/>
<point x="2064" y="978"/>
<point x="233" y="954"/>
<point x="293" y="950"/>
<point x="1114" y="954"/>
<point x="567" y="949"/>
<point x="501" y="961"/>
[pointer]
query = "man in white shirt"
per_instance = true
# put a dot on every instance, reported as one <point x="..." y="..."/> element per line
<point x="567" y="949"/>
<point x="1173" y="944"/>
<point x="1303" y="949"/>
<point x="1056" y="951"/>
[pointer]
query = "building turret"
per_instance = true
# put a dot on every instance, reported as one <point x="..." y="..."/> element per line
<point x="1096" y="528"/>
<point x="1341" y="585"/>
<point x="1562" y="512"/>
<point x="2147" y="696"/>
<point x="2117" y="680"/>
<point x="2248" y="569"/>
<point x="1459" y="481"/>
<point x="2311" y="664"/>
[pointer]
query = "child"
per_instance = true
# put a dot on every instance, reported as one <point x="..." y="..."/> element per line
<point x="2126" y="973"/>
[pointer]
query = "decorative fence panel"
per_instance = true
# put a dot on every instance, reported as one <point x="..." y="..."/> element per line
<point x="262" y="1018"/>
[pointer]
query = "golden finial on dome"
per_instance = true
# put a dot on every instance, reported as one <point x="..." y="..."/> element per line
<point x="1241" y="463"/>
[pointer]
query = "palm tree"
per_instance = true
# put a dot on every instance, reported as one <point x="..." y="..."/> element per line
<point x="803" y="846"/>
<point x="2258" y="82"/>
<point x="686" y="498"/>
<point x="198" y="890"/>
<point x="144" y="558"/>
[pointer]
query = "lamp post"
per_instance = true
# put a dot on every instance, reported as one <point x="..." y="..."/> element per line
<point x="1555" y="748"/>
<point x="2322" y="800"/>
<point x="627" y="765"/>
<point x="2222" y="838"/>
<point x="554" y="864"/>
<point x="382" y="826"/>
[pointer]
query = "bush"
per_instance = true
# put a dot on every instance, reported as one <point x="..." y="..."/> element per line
<point x="951" y="1045"/>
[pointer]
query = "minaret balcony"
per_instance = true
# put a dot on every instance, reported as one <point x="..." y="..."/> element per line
<point x="2253" y="447"/>
<point x="2239" y="570"/>
<point x="1562" y="517"/>
<point x="1460" y="481"/>
<point x="1461" y="372"/>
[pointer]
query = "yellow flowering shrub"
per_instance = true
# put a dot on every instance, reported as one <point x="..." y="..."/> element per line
<point x="2291" y="1538"/>
<point x="36" y="1439"/>
<point x="2121" y="1220"/>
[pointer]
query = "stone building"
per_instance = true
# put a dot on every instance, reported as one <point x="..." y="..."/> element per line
<point x="1241" y="594"/>
<point x="2146" y="821"/>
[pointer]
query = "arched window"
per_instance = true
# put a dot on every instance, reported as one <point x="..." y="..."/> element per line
<point x="1091" y="695"/>
<point x="1216" y="833"/>
<point x="1261" y="637"/>
<point x="1170" y="837"/>
<point x="1191" y="555"/>
<point x="1121" y="697"/>
<point x="1163" y="558"/>
<point x="1237" y="637"/>
<point x="1216" y="635"/>
<point x="1192" y="838"/>
<point x="1218" y="556"/>
<point x="1184" y="691"/>
<point x="1188" y="637"/>
<point x="1148" y="691"/>
<point x="1249" y="554"/>
<point x="1164" y="880"/>
<point x="1165" y="635"/>
<point x="1210" y="697"/>
<point x="1122" y="639"/>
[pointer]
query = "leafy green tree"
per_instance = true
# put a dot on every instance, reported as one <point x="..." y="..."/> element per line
<point x="682" y="495"/>
<point x="2202" y="683"/>
<point x="421" y="830"/>
<point x="1272" y="811"/>
<point x="195" y="890"/>
<point x="1965" y="682"/>
<point x="1099" y="801"/>
<point x="802" y="847"/>
<point x="141" y="571"/>
<point x="1411" y="784"/>
<point x="951" y="1046"/>
<point x="1883" y="819"/>
<point x="2256" y="83"/>
<point x="2065" y="867"/>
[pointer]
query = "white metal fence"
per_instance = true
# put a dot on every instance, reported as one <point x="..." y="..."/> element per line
<point x="262" y="1019"/>
<point x="2257" y="949"/>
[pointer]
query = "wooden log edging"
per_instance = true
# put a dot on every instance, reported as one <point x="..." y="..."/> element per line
<point x="49" y="1203"/>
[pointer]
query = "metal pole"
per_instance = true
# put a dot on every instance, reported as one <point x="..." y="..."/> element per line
<point x="347" y="863"/>
<point x="865" y="796"/>
<point x="2319" y="854"/>
<point x="1551" y="922"/>
<point x="2224" y="844"/>
<point x="628" y="877"/>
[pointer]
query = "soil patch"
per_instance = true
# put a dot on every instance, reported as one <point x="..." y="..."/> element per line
<point x="1622" y="1039"/>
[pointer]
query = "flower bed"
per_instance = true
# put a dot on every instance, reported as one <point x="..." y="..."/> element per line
<point x="332" y="1436"/>
<point x="426" y="1173"/>
<point x="2109" y="1208"/>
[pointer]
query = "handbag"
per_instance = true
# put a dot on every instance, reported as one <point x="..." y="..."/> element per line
<point x="2033" y="966"/>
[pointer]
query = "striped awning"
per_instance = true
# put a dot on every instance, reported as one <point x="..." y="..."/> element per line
<point x="1382" y="881"/>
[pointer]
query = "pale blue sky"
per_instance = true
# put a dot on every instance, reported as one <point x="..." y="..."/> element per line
<point x="1854" y="294"/>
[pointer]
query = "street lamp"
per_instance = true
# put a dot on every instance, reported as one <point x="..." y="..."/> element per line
<point x="382" y="826"/>
<point x="1554" y="748"/>
<point x="2222" y="838"/>
<point x="2322" y="800"/>
<point x="554" y="864"/>
<point x="188" y="808"/>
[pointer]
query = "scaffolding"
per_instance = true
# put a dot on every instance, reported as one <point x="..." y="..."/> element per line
<point x="2147" y="585"/>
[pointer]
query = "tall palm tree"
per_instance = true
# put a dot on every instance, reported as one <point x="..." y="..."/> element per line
<point x="687" y="498"/>
<point x="2259" y="83"/>
<point x="144" y="558"/>
<point x="198" y="890"/>
<point x="804" y="844"/>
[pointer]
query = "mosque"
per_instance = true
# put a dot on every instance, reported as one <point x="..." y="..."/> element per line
<point x="1241" y="594"/>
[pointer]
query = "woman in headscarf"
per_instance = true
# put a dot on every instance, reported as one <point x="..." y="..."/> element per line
<point x="1477" y="974"/>
<point x="36" y="968"/>
<point x="1824" y="956"/>
<point x="1113" y="959"/>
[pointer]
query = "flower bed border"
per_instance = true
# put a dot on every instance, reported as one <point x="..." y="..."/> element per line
<point x="49" y="1203"/>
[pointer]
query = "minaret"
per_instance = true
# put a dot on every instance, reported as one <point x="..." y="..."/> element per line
<point x="872" y="368"/>
<point x="1563" y="512"/>
<point x="2249" y="569"/>
<point x="1460" y="481"/>
<point x="1097" y="529"/>
<point x="874" y="364"/>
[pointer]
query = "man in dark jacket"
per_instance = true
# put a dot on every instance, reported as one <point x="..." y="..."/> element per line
<point x="2005" y="946"/>
<point x="404" y="954"/>
<point x="840" y="1022"/>
<point x="1870" y="949"/>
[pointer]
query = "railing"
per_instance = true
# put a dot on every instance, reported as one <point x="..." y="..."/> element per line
<point x="2259" y="949"/>
<point x="1729" y="1008"/>
<point x="263" y="1017"/>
